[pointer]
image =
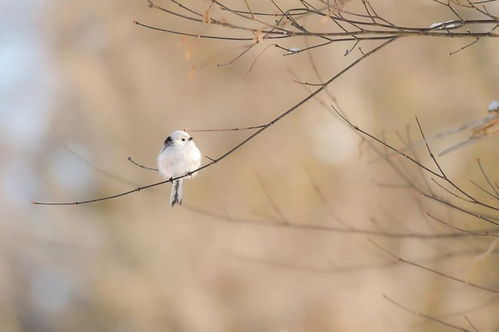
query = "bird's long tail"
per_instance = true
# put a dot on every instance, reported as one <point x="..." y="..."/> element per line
<point x="176" y="194"/>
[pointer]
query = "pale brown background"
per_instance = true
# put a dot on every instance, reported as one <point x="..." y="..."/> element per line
<point x="79" y="75"/>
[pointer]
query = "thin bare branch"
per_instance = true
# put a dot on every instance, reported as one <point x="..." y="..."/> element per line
<point x="277" y="223"/>
<point x="471" y="324"/>
<point x="495" y="189"/>
<point x="223" y="129"/>
<point x="465" y="46"/>
<point x="483" y="234"/>
<point x="142" y="166"/>
<point x="488" y="219"/>
<point x="272" y="202"/>
<point x="442" y="274"/>
<point x="420" y="314"/>
<point x="99" y="169"/>
<point x="345" y="269"/>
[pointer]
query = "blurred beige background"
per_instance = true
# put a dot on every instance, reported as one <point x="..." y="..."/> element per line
<point x="79" y="79"/>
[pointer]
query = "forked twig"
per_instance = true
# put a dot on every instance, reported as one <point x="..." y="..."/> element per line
<point x="142" y="166"/>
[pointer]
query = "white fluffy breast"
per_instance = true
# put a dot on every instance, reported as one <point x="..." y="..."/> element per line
<point x="174" y="160"/>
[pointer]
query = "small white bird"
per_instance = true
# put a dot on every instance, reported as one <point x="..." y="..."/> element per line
<point x="179" y="156"/>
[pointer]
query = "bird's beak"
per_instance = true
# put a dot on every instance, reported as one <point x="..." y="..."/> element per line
<point x="190" y="138"/>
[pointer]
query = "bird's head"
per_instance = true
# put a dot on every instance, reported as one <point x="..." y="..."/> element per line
<point x="178" y="138"/>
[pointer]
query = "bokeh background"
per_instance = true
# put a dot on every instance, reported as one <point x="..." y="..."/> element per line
<point x="83" y="88"/>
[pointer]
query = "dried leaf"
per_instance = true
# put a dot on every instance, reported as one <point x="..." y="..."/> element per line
<point x="258" y="35"/>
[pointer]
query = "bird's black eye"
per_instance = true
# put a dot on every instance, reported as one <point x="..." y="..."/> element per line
<point x="183" y="139"/>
